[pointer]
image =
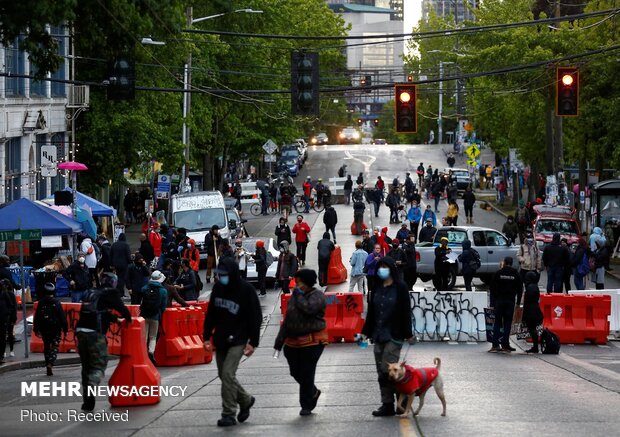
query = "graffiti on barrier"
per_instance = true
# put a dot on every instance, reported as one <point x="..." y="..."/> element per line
<point x="453" y="316"/>
<point x="350" y="303"/>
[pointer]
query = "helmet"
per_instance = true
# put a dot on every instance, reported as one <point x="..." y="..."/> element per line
<point x="320" y="179"/>
<point x="308" y="177"/>
<point x="260" y="243"/>
<point x="109" y="279"/>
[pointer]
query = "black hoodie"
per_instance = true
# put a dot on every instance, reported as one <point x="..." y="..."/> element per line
<point x="554" y="254"/>
<point x="325" y="247"/>
<point x="401" y="318"/>
<point x="234" y="314"/>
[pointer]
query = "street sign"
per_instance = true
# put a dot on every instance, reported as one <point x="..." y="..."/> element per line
<point x="582" y="197"/>
<point x="20" y="234"/>
<point x="472" y="151"/>
<point x="49" y="156"/>
<point x="270" y="147"/>
<point x="472" y="163"/>
<point x="163" y="183"/>
<point x="162" y="194"/>
<point x="270" y="158"/>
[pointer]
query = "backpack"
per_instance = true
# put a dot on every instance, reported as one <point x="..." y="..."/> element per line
<point x="269" y="259"/>
<point x="592" y="264"/>
<point x="549" y="342"/>
<point x="199" y="284"/>
<point x="98" y="254"/>
<point x="521" y="216"/>
<point x="474" y="263"/>
<point x="90" y="303"/>
<point x="583" y="268"/>
<point x="49" y="316"/>
<point x="150" y="302"/>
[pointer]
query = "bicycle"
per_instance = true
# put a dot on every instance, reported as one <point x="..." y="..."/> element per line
<point x="256" y="209"/>
<point x="300" y="205"/>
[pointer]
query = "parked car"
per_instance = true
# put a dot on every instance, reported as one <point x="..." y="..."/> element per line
<point x="379" y="142"/>
<point x="236" y="224"/>
<point x="493" y="247"/>
<point x="552" y="219"/>
<point x="297" y="147"/>
<point x="349" y="135"/>
<point x="292" y="152"/>
<point x="289" y="166"/>
<point x="249" y="244"/>
<point x="463" y="178"/>
<point x="320" y="138"/>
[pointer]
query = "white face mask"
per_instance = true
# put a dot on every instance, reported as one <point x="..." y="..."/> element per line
<point x="81" y="260"/>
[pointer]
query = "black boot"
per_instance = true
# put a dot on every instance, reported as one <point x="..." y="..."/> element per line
<point x="89" y="402"/>
<point x="384" y="410"/>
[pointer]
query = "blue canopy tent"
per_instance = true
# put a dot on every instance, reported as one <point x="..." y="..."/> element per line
<point x="26" y="214"/>
<point x="99" y="209"/>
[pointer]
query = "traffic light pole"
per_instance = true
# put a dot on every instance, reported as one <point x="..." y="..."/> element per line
<point x="187" y="80"/>
<point x="440" y="112"/>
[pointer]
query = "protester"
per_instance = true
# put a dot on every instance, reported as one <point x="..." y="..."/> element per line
<point x="90" y="254"/>
<point x="530" y="258"/>
<point x="283" y="232"/>
<point x="307" y="190"/>
<point x="522" y="217"/>
<point x="393" y="202"/>
<point x="420" y="172"/>
<point x="411" y="269"/>
<point x="470" y="262"/>
<point x="436" y="191"/>
<point x="192" y="254"/>
<point x="78" y="276"/>
<point x="233" y="320"/>
<point x="554" y="259"/>
<point x="49" y="323"/>
<point x="302" y="237"/>
<point x="414" y="215"/>
<point x="348" y="188"/>
<point x="453" y="212"/>
<point x="287" y="266"/>
<point x="371" y="266"/>
<point x="601" y="262"/>
<point x="469" y="200"/>
<point x="153" y="304"/>
<point x="358" y="216"/>
<point x="146" y="249"/>
<point x="358" y="263"/>
<point x="505" y="287"/>
<point x="303" y="335"/>
<point x="325" y="248"/>
<point x="137" y="276"/>
<point x="241" y="258"/>
<point x="403" y="232"/>
<point x="451" y="160"/>
<point x="5" y="273"/>
<point x="567" y="268"/>
<point x="360" y="179"/>
<point x="91" y="329"/>
<point x="427" y="233"/>
<point x="453" y="192"/>
<point x="578" y="259"/>
<point x="597" y="235"/>
<point x="330" y="219"/>
<point x="532" y="314"/>
<point x="399" y="257"/>
<point x="442" y="265"/>
<point x="376" y="197"/>
<point x="388" y="325"/>
<point x="120" y="253"/>
<point x="429" y="214"/>
<point x="510" y="229"/>
<point x="173" y="292"/>
<point x="260" y="261"/>
<point x="213" y="241"/>
<point x="502" y="190"/>
<point x="186" y="282"/>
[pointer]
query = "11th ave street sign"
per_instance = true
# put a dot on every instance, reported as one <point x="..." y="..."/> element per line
<point x="20" y="234"/>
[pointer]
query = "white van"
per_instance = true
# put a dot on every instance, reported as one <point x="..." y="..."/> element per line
<point x="198" y="212"/>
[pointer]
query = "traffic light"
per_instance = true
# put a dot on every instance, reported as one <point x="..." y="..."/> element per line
<point x="122" y="78"/>
<point x="405" y="106"/>
<point x="376" y="122"/>
<point x="305" y="83"/>
<point x="359" y="121"/>
<point x="410" y="78"/>
<point x="567" y="92"/>
<point x="366" y="82"/>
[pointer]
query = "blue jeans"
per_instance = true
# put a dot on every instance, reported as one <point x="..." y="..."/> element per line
<point x="76" y="296"/>
<point x="307" y="201"/>
<point x="555" y="276"/>
<point x="578" y="279"/>
<point x="437" y="199"/>
<point x="502" y="196"/>
<point x="376" y="204"/>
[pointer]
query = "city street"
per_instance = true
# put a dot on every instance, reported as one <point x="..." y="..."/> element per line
<point x="574" y="393"/>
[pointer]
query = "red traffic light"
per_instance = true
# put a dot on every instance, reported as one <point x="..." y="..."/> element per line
<point x="404" y="97"/>
<point x="405" y="107"/>
<point x="567" y="80"/>
<point x="410" y="78"/>
<point x="567" y="92"/>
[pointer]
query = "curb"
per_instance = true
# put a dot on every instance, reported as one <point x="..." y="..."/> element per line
<point x="31" y="364"/>
<point x="497" y="210"/>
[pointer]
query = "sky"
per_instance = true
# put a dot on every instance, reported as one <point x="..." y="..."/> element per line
<point x="412" y="14"/>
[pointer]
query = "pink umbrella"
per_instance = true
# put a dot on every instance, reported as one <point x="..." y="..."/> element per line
<point x="72" y="165"/>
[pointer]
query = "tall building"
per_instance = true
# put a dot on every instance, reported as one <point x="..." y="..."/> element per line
<point x="397" y="6"/>
<point x="32" y="116"/>
<point x="444" y="8"/>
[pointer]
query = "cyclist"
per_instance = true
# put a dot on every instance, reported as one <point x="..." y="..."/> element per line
<point x="320" y="190"/>
<point x="307" y="189"/>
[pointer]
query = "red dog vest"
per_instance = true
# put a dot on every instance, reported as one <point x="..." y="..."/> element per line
<point x="416" y="380"/>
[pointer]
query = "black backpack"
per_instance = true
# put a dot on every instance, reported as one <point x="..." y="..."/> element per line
<point x="49" y="316"/>
<point x="474" y="263"/>
<point x="90" y="303"/>
<point x="199" y="284"/>
<point x="549" y="342"/>
<point x="150" y="302"/>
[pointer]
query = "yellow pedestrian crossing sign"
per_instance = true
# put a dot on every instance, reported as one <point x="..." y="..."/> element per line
<point x="472" y="163"/>
<point x="472" y="151"/>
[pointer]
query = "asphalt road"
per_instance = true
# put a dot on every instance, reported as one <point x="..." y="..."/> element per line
<point x="574" y="393"/>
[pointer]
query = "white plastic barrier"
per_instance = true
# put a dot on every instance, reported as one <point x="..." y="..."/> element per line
<point x="250" y="194"/>
<point x="614" y="318"/>
<point x="336" y="185"/>
<point x="454" y="316"/>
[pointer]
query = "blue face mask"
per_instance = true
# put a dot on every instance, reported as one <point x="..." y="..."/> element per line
<point x="224" y="279"/>
<point x="383" y="272"/>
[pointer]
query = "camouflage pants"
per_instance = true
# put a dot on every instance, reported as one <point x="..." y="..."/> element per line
<point x="93" y="350"/>
<point x="51" y="341"/>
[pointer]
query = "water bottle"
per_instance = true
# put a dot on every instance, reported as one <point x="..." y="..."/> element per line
<point x="361" y="342"/>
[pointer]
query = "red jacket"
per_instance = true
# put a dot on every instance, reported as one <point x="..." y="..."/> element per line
<point x="301" y="231"/>
<point x="307" y="187"/>
<point x="416" y="380"/>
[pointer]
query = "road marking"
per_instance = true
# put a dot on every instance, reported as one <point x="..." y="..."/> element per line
<point x="475" y="343"/>
<point x="604" y="346"/>
<point x="453" y="343"/>
<point x="365" y="163"/>
<point x="407" y="429"/>
<point x="589" y="367"/>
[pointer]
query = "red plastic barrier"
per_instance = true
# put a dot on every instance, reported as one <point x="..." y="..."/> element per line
<point x="336" y="271"/>
<point x="181" y="337"/>
<point x="343" y="314"/>
<point x="134" y="369"/>
<point x="577" y="319"/>
<point x="354" y="229"/>
<point x="114" y="333"/>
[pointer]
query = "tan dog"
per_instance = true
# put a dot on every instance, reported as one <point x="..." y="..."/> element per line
<point x="413" y="382"/>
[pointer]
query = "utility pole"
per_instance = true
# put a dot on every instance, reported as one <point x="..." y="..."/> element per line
<point x="187" y="80"/>
<point x="440" y="112"/>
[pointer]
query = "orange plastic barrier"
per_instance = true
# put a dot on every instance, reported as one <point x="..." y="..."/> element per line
<point x="181" y="337"/>
<point x="336" y="271"/>
<point x="354" y="229"/>
<point x="343" y="314"/>
<point x="577" y="319"/>
<point x="134" y="369"/>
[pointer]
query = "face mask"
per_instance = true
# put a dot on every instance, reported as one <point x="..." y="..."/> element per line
<point x="81" y="260"/>
<point x="383" y="272"/>
<point x="530" y="240"/>
<point x="224" y="279"/>
<point x="299" y="221"/>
